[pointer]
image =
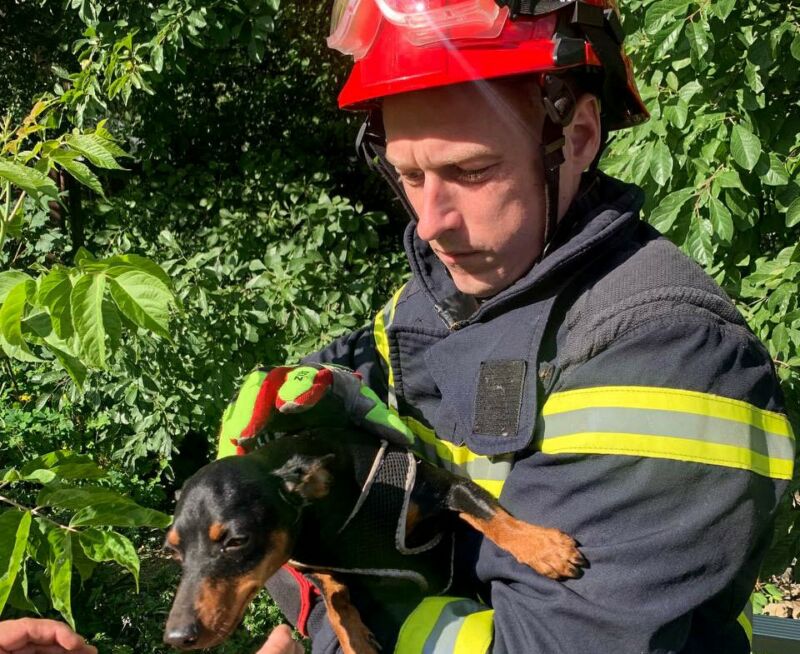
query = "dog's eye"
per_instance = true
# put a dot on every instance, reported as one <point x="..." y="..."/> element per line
<point x="235" y="542"/>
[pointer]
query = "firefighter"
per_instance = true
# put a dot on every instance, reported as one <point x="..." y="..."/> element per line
<point x="550" y="344"/>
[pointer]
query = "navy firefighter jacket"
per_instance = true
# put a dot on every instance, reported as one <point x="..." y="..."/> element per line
<point x="615" y="393"/>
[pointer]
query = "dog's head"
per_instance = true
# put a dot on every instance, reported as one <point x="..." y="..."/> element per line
<point x="235" y="525"/>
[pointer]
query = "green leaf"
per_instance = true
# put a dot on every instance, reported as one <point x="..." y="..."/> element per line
<point x="10" y="279"/>
<point x="666" y="211"/>
<point x="86" y="302"/>
<point x="96" y="149"/>
<point x="723" y="8"/>
<point x="745" y="147"/>
<point x="82" y="173"/>
<point x="698" y="243"/>
<point x="65" y="464"/>
<point x="101" y="507"/>
<point x="698" y="38"/>
<point x="793" y="213"/>
<point x="13" y="310"/>
<point x="14" y="529"/>
<point x="729" y="178"/>
<point x="721" y="219"/>
<point x="120" y="515"/>
<point x="59" y="569"/>
<point x="54" y="293"/>
<point x="144" y="299"/>
<point x="774" y="173"/>
<point x="659" y="13"/>
<point x="121" y="263"/>
<point x="32" y="181"/>
<point x="661" y="163"/>
<point x="110" y="546"/>
<point x="74" y="367"/>
<point x="157" y="58"/>
<point x="669" y="40"/>
<point x="689" y="90"/>
<point x="795" y="47"/>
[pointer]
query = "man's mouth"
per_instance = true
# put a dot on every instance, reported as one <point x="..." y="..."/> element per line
<point x="456" y="258"/>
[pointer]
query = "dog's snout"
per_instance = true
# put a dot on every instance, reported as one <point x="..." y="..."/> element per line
<point x="182" y="636"/>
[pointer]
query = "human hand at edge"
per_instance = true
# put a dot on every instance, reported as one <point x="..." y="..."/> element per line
<point x="280" y="641"/>
<point x="39" y="636"/>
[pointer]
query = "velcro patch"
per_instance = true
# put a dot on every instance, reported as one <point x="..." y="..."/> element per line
<point x="499" y="397"/>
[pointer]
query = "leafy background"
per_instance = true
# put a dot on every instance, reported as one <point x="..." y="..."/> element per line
<point x="224" y="160"/>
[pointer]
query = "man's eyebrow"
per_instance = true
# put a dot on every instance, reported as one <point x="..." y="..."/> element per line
<point x="465" y="156"/>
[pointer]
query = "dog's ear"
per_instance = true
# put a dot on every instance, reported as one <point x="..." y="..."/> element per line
<point x="306" y="476"/>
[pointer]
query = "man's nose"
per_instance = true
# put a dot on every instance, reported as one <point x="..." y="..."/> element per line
<point x="438" y="213"/>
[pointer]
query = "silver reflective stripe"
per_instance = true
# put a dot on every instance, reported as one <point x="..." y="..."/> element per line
<point x="674" y="424"/>
<point x="445" y="632"/>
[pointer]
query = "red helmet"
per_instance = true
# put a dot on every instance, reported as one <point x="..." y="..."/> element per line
<point x="409" y="45"/>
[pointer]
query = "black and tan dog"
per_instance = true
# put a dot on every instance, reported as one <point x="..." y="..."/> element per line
<point x="239" y="519"/>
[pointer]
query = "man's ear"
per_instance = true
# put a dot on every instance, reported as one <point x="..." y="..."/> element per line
<point x="583" y="134"/>
<point x="306" y="476"/>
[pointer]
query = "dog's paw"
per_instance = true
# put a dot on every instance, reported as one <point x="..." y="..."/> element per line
<point x="557" y="555"/>
<point x="550" y="552"/>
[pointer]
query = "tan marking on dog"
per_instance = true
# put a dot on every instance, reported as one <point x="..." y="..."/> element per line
<point x="220" y="603"/>
<point x="216" y="531"/>
<point x="412" y="517"/>
<point x="548" y="551"/>
<point x="353" y="634"/>
<point x="316" y="482"/>
<point x="173" y="537"/>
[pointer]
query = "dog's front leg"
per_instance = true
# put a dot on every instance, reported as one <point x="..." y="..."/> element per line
<point x="353" y="634"/>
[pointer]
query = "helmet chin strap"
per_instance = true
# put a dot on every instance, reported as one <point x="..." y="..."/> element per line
<point x="559" y="104"/>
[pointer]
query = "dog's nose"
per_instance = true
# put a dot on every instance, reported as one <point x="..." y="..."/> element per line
<point x="181" y="636"/>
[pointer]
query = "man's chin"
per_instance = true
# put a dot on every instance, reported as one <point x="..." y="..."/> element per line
<point x="478" y="286"/>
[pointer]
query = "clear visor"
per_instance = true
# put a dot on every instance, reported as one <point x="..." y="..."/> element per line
<point x="355" y="23"/>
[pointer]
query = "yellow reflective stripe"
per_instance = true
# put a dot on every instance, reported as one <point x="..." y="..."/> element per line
<point x="664" y="447"/>
<point x="381" y="341"/>
<point x="419" y="624"/>
<point x="492" y="486"/>
<point x="475" y="635"/>
<point x="745" y="619"/>
<point x="668" y="399"/>
<point x="670" y="424"/>
<point x="444" y="450"/>
<point x="489" y="474"/>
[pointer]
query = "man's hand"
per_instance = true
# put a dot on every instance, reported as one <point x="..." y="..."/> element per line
<point x="289" y="398"/>
<point x="280" y="641"/>
<point x="34" y="636"/>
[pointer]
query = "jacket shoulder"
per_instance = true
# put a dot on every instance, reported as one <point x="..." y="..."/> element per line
<point x="643" y="281"/>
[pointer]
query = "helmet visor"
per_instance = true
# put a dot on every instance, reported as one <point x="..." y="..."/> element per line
<point x="355" y="23"/>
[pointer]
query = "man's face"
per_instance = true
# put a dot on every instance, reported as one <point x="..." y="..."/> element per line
<point x="467" y="157"/>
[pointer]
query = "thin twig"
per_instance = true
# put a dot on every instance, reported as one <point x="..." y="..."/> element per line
<point x="38" y="514"/>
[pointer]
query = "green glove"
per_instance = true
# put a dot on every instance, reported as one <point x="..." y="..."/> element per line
<point x="289" y="398"/>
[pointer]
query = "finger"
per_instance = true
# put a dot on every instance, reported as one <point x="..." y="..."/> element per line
<point x="15" y="634"/>
<point x="280" y="641"/>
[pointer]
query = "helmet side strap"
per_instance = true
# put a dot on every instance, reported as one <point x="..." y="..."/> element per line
<point x="559" y="103"/>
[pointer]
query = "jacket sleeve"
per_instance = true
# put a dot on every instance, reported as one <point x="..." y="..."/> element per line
<point x="665" y="457"/>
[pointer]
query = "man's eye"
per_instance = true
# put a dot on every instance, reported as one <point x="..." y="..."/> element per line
<point x="412" y="178"/>
<point x="473" y="176"/>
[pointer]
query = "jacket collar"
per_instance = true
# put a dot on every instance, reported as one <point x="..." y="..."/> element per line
<point x="605" y="206"/>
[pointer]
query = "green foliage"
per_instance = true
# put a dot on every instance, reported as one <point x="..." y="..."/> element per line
<point x="719" y="161"/>
<point x="62" y="527"/>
